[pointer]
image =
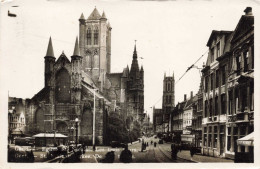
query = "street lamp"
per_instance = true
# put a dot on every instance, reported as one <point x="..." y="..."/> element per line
<point x="76" y="120"/>
<point x="94" y="117"/>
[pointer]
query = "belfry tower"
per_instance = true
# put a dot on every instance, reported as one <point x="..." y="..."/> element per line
<point x="95" y="44"/>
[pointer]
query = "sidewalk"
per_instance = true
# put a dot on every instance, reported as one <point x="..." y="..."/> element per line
<point x="185" y="154"/>
<point x="198" y="158"/>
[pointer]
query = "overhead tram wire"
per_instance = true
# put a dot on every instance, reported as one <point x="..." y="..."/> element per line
<point x="191" y="66"/>
<point x="185" y="73"/>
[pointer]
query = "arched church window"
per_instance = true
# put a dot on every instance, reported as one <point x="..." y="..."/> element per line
<point x="96" y="37"/>
<point x="89" y="36"/>
<point x="63" y="86"/>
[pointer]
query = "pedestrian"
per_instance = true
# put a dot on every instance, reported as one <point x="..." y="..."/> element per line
<point x="126" y="155"/>
<point x="174" y="154"/>
<point x="84" y="148"/>
<point x="192" y="152"/>
<point x="180" y="147"/>
<point x="151" y="142"/>
<point x="109" y="158"/>
<point x="154" y="144"/>
<point x="172" y="147"/>
<point x="94" y="147"/>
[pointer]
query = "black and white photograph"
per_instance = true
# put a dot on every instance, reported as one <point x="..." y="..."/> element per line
<point x="130" y="81"/>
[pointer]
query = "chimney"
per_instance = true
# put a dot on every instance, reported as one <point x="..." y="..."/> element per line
<point x="248" y="11"/>
<point x="191" y="94"/>
<point x="185" y="97"/>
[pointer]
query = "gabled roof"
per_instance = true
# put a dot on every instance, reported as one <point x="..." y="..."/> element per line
<point x="94" y="15"/>
<point x="41" y="95"/>
<point x="215" y="33"/>
<point x="62" y="58"/>
<point x="245" y="23"/>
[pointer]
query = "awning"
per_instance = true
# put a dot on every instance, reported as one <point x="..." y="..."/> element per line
<point x="57" y="135"/>
<point x="247" y="140"/>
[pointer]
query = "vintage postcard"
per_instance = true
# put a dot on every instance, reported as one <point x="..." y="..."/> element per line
<point x="129" y="82"/>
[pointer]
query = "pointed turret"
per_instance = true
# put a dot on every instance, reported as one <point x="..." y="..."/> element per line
<point x="103" y="16"/>
<point x="49" y="64"/>
<point x="94" y="15"/>
<point x="173" y="75"/>
<point x="142" y="69"/>
<point x="50" y="49"/>
<point x="82" y="17"/>
<point x="76" y="53"/>
<point x="76" y="48"/>
<point x="108" y="25"/>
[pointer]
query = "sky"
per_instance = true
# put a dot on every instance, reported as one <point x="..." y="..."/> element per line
<point x="171" y="36"/>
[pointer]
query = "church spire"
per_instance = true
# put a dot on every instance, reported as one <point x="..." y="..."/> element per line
<point x="50" y="49"/>
<point x="103" y="15"/>
<point x="134" y="66"/>
<point x="76" y="48"/>
<point x="135" y="53"/>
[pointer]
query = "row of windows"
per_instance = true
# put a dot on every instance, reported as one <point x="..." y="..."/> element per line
<point x="212" y="109"/>
<point x="239" y="100"/>
<point x="244" y="61"/>
<point x="89" y="37"/>
<point x="209" y="80"/>
<point x="16" y="119"/>
<point x="16" y="125"/>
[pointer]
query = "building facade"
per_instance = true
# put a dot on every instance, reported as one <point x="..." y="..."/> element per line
<point x="16" y="118"/>
<point x="228" y="89"/>
<point x="197" y="117"/>
<point x="240" y="101"/>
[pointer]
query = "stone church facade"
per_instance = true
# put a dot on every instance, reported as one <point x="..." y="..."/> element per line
<point x="72" y="84"/>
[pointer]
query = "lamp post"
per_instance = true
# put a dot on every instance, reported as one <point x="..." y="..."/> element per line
<point x="76" y="120"/>
<point x="94" y="117"/>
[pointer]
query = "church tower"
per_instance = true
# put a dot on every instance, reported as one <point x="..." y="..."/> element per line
<point x="136" y="88"/>
<point x="95" y="44"/>
<point x="168" y="101"/>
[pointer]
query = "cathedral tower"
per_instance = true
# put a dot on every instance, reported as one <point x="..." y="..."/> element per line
<point x="168" y="102"/>
<point x="95" y="44"/>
